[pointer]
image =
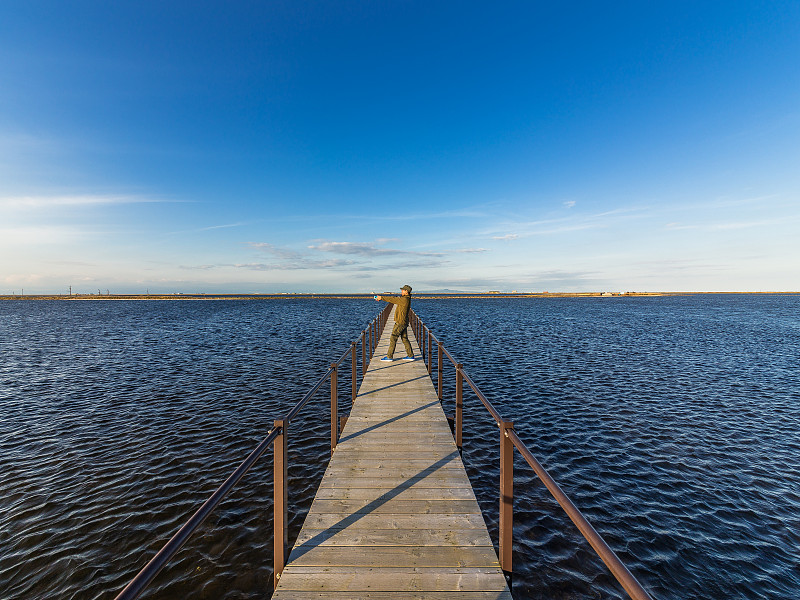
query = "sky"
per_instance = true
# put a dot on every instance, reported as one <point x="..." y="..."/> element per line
<point x="356" y="146"/>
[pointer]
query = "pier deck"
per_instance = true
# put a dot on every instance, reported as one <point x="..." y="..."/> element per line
<point x="395" y="515"/>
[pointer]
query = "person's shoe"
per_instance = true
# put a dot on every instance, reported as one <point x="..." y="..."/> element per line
<point x="387" y="359"/>
<point x="408" y="358"/>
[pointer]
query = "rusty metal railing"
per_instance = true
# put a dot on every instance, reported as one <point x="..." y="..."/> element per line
<point x="508" y="441"/>
<point x="278" y="438"/>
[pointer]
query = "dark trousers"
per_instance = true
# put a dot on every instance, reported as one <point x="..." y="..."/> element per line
<point x="399" y="331"/>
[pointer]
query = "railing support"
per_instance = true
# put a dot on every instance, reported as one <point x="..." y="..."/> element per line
<point x="334" y="406"/>
<point x="506" y="496"/>
<point x="363" y="353"/>
<point x="459" y="404"/>
<point x="439" y="352"/>
<point x="423" y="335"/>
<point x="280" y="501"/>
<point x="430" y="352"/>
<point x="354" y="369"/>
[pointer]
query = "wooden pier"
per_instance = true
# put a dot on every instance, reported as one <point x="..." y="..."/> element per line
<point x="395" y="515"/>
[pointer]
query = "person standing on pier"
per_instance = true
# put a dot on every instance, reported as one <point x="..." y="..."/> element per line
<point x="403" y="302"/>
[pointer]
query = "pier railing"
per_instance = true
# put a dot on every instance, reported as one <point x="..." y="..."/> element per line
<point x="278" y="438"/>
<point x="508" y="441"/>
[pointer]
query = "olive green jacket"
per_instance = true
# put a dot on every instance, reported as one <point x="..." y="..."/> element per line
<point x="401" y="312"/>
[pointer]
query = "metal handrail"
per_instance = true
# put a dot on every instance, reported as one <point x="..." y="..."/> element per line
<point x="509" y="440"/>
<point x="277" y="434"/>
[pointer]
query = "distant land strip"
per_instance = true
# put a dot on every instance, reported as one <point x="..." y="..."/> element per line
<point x="420" y="296"/>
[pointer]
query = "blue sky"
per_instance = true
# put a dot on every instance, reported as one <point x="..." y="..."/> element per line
<point x="357" y="146"/>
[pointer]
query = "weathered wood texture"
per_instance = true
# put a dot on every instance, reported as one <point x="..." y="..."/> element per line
<point x="395" y="515"/>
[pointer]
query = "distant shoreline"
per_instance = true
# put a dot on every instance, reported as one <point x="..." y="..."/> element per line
<point x="420" y="296"/>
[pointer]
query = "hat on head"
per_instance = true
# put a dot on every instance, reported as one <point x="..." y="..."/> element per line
<point x="406" y="288"/>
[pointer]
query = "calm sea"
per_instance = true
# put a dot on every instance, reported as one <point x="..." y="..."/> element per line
<point x="672" y="422"/>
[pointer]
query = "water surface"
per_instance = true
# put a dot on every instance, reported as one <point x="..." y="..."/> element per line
<point x="671" y="422"/>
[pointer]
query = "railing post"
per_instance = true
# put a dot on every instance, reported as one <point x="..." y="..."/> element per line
<point x="334" y="407"/>
<point x="459" y="403"/>
<point x="354" y="364"/>
<point x="280" y="501"/>
<point x="363" y="353"/>
<point x="439" y="386"/>
<point x="370" y="340"/>
<point x="430" y="352"/>
<point x="506" y="524"/>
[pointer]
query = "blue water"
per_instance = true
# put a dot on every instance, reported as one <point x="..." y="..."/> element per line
<point x="670" y="421"/>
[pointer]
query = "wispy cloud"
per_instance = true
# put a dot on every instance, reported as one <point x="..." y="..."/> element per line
<point x="211" y="227"/>
<point x="569" y="203"/>
<point x="750" y="224"/>
<point x="297" y="265"/>
<point x="46" y="202"/>
<point x="42" y="235"/>
<point x="695" y="266"/>
<point x="472" y="250"/>
<point x="365" y="249"/>
<point x="360" y="249"/>
<point x="413" y="263"/>
<point x="17" y="278"/>
<point x="728" y="202"/>
<point x="277" y="251"/>
<point x="287" y="259"/>
<point x="576" y="221"/>
<point x="293" y="265"/>
<point x="732" y="225"/>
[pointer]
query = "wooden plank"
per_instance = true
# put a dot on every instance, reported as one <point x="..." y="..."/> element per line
<point x="350" y="595"/>
<point x="353" y="536"/>
<point x="388" y="482"/>
<point x="385" y="579"/>
<point x="377" y="495"/>
<point x="373" y="461"/>
<point x="395" y="506"/>
<point x="376" y="453"/>
<point x="403" y="429"/>
<point x="387" y="472"/>
<point x="317" y="520"/>
<point x="411" y="440"/>
<point x="398" y="556"/>
<point x="346" y="570"/>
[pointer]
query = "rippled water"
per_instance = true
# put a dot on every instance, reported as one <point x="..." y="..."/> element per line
<point x="672" y="422"/>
